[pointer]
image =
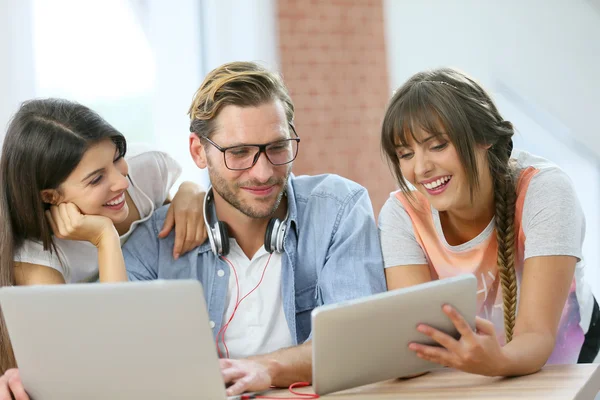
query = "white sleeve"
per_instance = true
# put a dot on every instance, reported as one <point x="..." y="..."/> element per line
<point x="33" y="253"/>
<point x="553" y="221"/>
<point x="398" y="242"/>
<point x="136" y="148"/>
<point x="154" y="172"/>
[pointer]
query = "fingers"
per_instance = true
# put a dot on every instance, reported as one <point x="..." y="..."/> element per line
<point x="201" y="234"/>
<point x="64" y="215"/>
<point x="53" y="226"/>
<point x="168" y="224"/>
<point x="11" y="372"/>
<point x="442" y="338"/>
<point x="4" y="393"/>
<point x="190" y="241"/>
<point x="434" y="358"/>
<point x="11" y="382"/>
<point x="245" y="375"/>
<point x="16" y="387"/>
<point x="232" y="374"/>
<point x="183" y="232"/>
<point x="59" y="223"/>
<point x="185" y="215"/>
<point x="73" y="212"/>
<point x="180" y="233"/>
<point x="484" y="326"/>
<point x="239" y="386"/>
<point x="434" y="354"/>
<point x="459" y="322"/>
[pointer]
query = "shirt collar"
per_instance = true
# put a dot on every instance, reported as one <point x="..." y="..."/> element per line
<point x="292" y="213"/>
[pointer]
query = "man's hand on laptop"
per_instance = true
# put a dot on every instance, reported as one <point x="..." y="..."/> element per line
<point x="244" y="376"/>
<point x="10" y="382"/>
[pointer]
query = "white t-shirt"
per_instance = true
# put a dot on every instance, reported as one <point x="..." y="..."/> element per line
<point x="259" y="325"/>
<point x="151" y="174"/>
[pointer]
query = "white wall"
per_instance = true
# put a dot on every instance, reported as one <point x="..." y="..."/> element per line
<point x="540" y="59"/>
<point x="175" y="35"/>
<point x="240" y="31"/>
<point x="232" y="30"/>
<point x="16" y="60"/>
<point x="548" y="49"/>
<point x="188" y="41"/>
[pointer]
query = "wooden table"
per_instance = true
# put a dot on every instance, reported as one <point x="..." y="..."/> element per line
<point x="581" y="382"/>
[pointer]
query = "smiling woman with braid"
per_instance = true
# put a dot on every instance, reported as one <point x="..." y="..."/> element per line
<point x="516" y="224"/>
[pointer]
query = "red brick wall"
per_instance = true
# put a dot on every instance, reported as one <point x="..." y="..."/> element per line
<point x="333" y="60"/>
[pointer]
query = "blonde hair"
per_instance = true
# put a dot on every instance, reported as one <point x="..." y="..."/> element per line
<point x="243" y="84"/>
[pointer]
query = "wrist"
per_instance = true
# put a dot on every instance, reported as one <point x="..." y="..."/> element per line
<point x="272" y="366"/>
<point x="108" y="237"/>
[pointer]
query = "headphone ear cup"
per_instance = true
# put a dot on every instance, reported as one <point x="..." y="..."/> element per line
<point x="280" y="237"/>
<point x="269" y="235"/>
<point x="224" y="238"/>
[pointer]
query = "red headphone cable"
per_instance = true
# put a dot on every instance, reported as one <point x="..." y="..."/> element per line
<point x="292" y="391"/>
<point x="237" y="303"/>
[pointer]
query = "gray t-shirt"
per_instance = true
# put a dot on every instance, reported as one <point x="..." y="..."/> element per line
<point x="552" y="223"/>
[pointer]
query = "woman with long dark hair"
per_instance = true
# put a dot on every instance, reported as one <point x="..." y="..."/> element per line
<point x="69" y="199"/>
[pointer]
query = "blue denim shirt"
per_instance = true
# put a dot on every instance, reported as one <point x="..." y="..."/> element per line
<point x="332" y="253"/>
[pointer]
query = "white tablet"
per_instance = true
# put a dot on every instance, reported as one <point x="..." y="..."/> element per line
<point x="366" y="340"/>
<point x="137" y="340"/>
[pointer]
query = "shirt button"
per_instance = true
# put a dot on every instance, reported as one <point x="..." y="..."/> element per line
<point x="221" y="273"/>
<point x="212" y="324"/>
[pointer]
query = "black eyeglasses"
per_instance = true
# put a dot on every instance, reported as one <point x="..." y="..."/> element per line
<point x="242" y="157"/>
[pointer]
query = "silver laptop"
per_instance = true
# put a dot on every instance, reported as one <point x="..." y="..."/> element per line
<point x="138" y="340"/>
<point x="366" y="340"/>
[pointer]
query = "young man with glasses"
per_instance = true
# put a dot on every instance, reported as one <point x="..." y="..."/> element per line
<point x="279" y="246"/>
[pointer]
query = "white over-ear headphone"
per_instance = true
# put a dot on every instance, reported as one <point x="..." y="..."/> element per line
<point x="219" y="237"/>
